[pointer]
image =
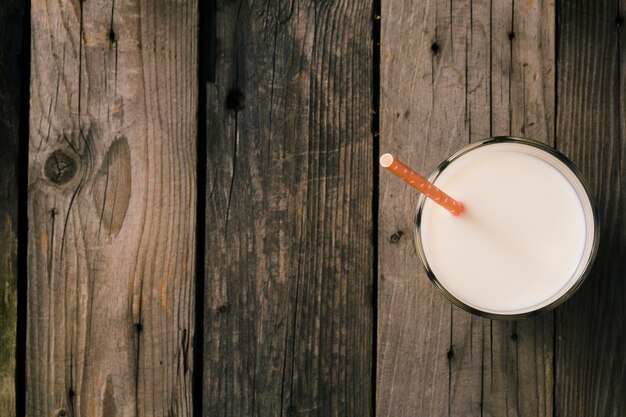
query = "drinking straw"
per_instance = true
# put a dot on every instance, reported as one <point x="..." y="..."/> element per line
<point x="421" y="184"/>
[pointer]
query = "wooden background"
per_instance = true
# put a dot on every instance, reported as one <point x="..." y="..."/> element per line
<point x="193" y="222"/>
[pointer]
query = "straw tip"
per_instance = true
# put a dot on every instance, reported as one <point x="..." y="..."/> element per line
<point x="386" y="160"/>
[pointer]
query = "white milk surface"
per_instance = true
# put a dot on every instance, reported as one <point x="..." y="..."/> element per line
<point x="521" y="237"/>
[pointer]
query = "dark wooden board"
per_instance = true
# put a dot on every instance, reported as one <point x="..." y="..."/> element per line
<point x="453" y="72"/>
<point x="591" y="129"/>
<point x="111" y="208"/>
<point x="289" y="257"/>
<point x="10" y="81"/>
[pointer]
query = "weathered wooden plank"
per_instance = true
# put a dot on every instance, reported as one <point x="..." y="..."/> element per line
<point x="111" y="205"/>
<point x="289" y="267"/>
<point x="518" y="356"/>
<point x="591" y="328"/>
<point x="455" y="72"/>
<point x="10" y="81"/>
<point x="413" y="319"/>
<point x="471" y="27"/>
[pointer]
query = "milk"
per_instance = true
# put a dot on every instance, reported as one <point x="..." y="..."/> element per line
<point x="526" y="234"/>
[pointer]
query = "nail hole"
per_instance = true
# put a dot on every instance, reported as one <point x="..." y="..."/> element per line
<point x="395" y="238"/>
<point x="450" y="354"/>
<point x="435" y="48"/>
<point x="514" y="336"/>
<point x="138" y="327"/>
<point x="222" y="309"/>
<point x="112" y="36"/>
<point x="511" y="35"/>
<point x="236" y="100"/>
<point x="619" y="21"/>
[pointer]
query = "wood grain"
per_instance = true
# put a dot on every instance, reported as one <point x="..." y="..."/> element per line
<point x="591" y="327"/>
<point x="10" y="82"/>
<point x="111" y="205"/>
<point x="518" y="357"/>
<point x="455" y="72"/>
<point x="289" y="264"/>
<point x="413" y="319"/>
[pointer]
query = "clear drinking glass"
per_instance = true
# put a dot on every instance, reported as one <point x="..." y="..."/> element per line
<point x="502" y="252"/>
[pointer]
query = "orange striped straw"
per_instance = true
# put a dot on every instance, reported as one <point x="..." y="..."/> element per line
<point x="421" y="184"/>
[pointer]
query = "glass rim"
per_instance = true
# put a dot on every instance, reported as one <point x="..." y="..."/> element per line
<point x="594" y="214"/>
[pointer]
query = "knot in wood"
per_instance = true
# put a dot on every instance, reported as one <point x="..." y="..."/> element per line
<point x="222" y="309"/>
<point x="60" y="168"/>
<point x="236" y="100"/>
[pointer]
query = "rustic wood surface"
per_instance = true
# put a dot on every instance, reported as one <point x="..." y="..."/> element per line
<point x="289" y="259"/>
<point x="111" y="207"/>
<point x="303" y="315"/>
<point x="10" y="82"/>
<point x="591" y="127"/>
<point x="453" y="72"/>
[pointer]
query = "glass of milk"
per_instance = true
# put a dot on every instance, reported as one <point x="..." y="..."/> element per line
<point x="528" y="235"/>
